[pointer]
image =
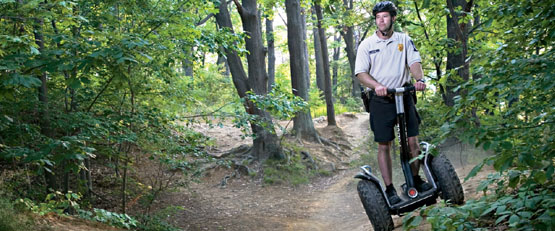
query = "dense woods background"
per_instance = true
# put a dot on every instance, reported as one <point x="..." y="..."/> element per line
<point x="90" y="88"/>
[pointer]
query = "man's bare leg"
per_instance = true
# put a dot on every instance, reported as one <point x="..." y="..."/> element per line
<point x="384" y="161"/>
<point x="414" y="152"/>
<point x="414" y="146"/>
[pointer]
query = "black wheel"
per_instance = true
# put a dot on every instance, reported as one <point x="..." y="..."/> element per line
<point x="449" y="183"/>
<point x="375" y="205"/>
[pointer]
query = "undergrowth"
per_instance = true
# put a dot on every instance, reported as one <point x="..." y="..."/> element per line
<point x="297" y="168"/>
<point x="527" y="207"/>
<point x="13" y="217"/>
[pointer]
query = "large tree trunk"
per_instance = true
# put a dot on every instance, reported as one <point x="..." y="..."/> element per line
<point x="238" y="74"/>
<point x="456" y="59"/>
<point x="318" y="55"/>
<point x="348" y="36"/>
<point x="335" y="68"/>
<point x="265" y="143"/>
<point x="271" y="52"/>
<point x="46" y="130"/>
<point x="327" y="78"/>
<point x="302" y="123"/>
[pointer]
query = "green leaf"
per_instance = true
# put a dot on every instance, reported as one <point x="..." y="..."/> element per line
<point x="514" y="219"/>
<point x="34" y="51"/>
<point x="474" y="171"/>
<point x="507" y="145"/>
<point x="540" y="177"/>
<point x="73" y="83"/>
<point x="489" y="210"/>
<point x="426" y="4"/>
<point x="487" y="145"/>
<point x="500" y="219"/>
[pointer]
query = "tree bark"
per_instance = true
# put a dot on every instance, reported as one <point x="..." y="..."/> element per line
<point x="318" y="55"/>
<point x="271" y="52"/>
<point x="348" y="36"/>
<point x="325" y="57"/>
<point x="238" y="74"/>
<point x="457" y="60"/>
<point x="302" y="123"/>
<point x="335" y="68"/>
<point x="265" y="143"/>
<point x="45" y="129"/>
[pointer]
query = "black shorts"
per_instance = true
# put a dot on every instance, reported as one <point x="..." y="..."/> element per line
<point x="383" y="117"/>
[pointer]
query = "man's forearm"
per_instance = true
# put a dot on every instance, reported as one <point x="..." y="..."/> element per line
<point x="416" y="71"/>
<point x="367" y="80"/>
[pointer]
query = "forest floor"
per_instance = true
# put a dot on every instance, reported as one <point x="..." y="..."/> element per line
<point x="326" y="203"/>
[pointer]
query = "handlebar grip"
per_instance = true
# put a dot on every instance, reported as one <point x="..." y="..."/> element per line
<point x="400" y="89"/>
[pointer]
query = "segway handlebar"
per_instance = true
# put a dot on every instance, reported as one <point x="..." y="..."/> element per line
<point x="400" y="89"/>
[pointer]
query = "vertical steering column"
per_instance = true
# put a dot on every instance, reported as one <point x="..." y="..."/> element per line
<point x="405" y="151"/>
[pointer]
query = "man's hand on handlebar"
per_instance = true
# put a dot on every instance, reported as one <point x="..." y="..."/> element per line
<point x="419" y="86"/>
<point x="381" y="90"/>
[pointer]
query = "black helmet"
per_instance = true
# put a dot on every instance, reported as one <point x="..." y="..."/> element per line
<point x="385" y="6"/>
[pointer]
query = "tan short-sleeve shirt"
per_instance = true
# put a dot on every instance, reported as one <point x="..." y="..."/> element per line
<point x="388" y="61"/>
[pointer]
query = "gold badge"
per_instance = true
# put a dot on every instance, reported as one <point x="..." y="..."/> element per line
<point x="400" y="47"/>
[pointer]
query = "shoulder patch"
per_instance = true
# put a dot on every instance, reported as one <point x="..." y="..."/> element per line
<point x="413" y="46"/>
<point x="373" y="51"/>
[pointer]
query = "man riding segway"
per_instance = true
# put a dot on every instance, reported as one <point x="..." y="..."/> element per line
<point x="383" y="63"/>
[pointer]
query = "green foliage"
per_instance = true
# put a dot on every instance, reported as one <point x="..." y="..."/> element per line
<point x="432" y="114"/>
<point x="281" y="104"/>
<point x="56" y="202"/>
<point x="12" y="218"/>
<point x="507" y="108"/>
<point x="111" y="218"/>
<point x="525" y="209"/>
<point x="159" y="221"/>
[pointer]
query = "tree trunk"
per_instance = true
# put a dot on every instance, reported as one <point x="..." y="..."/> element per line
<point x="325" y="57"/>
<point x="271" y="52"/>
<point x="336" y="54"/>
<point x="318" y="56"/>
<point x="348" y="36"/>
<point x="238" y="74"/>
<point x="45" y="129"/>
<point x="456" y="59"/>
<point x="305" y="52"/>
<point x="302" y="123"/>
<point x="265" y="143"/>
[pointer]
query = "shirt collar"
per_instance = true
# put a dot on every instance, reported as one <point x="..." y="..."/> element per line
<point x="391" y="39"/>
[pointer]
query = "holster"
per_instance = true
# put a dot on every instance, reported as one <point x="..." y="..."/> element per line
<point x="366" y="97"/>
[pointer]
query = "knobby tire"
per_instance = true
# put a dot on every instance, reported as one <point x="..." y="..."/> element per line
<point x="449" y="182"/>
<point x="375" y="205"/>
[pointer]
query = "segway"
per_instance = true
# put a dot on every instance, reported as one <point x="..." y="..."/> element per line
<point x="438" y="171"/>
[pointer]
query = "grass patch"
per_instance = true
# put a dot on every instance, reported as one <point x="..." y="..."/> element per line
<point x="293" y="169"/>
<point x="14" y="218"/>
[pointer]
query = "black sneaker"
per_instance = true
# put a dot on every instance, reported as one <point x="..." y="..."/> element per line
<point x="392" y="195"/>
<point x="421" y="185"/>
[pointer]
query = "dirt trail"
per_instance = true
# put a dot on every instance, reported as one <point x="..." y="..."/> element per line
<point x="328" y="203"/>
